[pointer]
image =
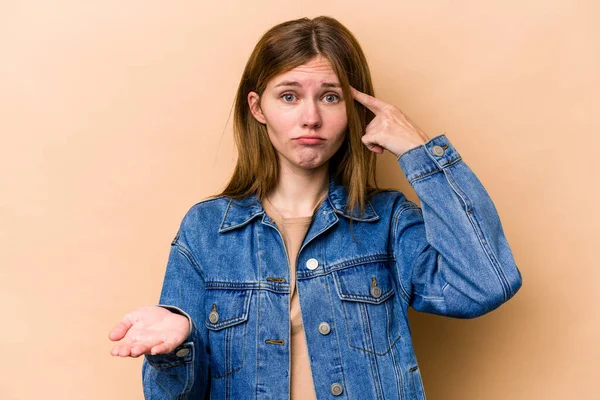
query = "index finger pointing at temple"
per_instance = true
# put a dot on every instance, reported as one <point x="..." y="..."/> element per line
<point x="372" y="103"/>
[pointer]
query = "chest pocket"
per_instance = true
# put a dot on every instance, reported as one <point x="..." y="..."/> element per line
<point x="227" y="320"/>
<point x="367" y="295"/>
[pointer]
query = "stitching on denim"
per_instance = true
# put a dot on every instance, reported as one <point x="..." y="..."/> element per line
<point x="496" y="267"/>
<point x="337" y="339"/>
<point x="327" y="269"/>
<point x="265" y="285"/>
<point x="359" y="261"/>
<point x="216" y="376"/>
<point x="412" y="379"/>
<point x="436" y="170"/>
<point x="416" y="382"/>
<point x="432" y="298"/>
<point x="349" y="330"/>
<point x="234" y="320"/>
<point x="162" y="364"/>
<point x="226" y="228"/>
<point x="359" y="219"/>
<point x="429" y="298"/>
<point x="419" y="146"/>
<point x="233" y="285"/>
<point x="258" y="321"/>
<point x="187" y="253"/>
<point x="228" y="333"/>
<point x="364" y="324"/>
<point x="228" y="361"/>
<point x="228" y="356"/>
<point x="188" y="383"/>
<point x="364" y="320"/>
<point x="397" y="214"/>
<point x="374" y="352"/>
<point x="368" y="298"/>
<point x="397" y="374"/>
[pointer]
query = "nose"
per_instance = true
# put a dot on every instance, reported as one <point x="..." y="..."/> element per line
<point x="311" y="116"/>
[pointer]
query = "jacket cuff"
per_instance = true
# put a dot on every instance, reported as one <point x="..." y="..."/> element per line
<point x="177" y="310"/>
<point x="428" y="157"/>
<point x="184" y="353"/>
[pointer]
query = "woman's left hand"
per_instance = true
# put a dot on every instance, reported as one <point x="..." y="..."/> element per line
<point x="391" y="129"/>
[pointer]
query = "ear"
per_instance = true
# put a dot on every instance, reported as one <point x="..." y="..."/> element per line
<point x="254" y="103"/>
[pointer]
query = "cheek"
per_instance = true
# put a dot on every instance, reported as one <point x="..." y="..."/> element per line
<point x="280" y="118"/>
<point x="339" y="122"/>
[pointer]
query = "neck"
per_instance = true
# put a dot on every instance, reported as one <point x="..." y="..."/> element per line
<point x="299" y="191"/>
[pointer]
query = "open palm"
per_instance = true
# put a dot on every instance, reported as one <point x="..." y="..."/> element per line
<point x="149" y="329"/>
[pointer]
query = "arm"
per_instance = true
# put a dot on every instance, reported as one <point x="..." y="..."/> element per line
<point x="182" y="373"/>
<point x="452" y="257"/>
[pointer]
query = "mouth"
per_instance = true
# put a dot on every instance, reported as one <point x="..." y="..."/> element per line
<point x="309" y="140"/>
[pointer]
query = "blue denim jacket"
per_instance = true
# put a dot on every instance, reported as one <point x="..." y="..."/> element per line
<point x="228" y="272"/>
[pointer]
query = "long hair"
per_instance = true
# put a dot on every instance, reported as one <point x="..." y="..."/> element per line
<point x="284" y="47"/>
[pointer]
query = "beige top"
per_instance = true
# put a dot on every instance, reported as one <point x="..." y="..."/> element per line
<point x="293" y="231"/>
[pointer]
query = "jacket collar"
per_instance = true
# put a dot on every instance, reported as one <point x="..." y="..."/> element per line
<point x="239" y="212"/>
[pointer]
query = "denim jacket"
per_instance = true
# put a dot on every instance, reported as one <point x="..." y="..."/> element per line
<point x="228" y="272"/>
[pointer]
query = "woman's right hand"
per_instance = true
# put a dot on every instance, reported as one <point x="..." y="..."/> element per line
<point x="149" y="330"/>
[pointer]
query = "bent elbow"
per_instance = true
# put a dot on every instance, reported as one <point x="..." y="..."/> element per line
<point x="466" y="307"/>
<point x="495" y="298"/>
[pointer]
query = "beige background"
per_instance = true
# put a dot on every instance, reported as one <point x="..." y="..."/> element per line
<point x="114" y="121"/>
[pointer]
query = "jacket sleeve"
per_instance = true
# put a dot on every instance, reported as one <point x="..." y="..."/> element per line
<point x="452" y="257"/>
<point x="182" y="373"/>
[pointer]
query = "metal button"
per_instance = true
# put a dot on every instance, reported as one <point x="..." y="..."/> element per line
<point x="376" y="292"/>
<point x="213" y="317"/>
<point x="182" y="352"/>
<point x="312" y="264"/>
<point x="324" y="328"/>
<point x="336" y="389"/>
<point x="437" y="150"/>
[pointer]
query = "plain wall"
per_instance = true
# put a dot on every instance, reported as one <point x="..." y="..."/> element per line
<point x="115" y="120"/>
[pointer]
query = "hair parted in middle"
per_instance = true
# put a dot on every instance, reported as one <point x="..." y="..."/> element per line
<point x="282" y="48"/>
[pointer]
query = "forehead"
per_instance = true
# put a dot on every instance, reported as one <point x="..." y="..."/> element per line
<point x="317" y="70"/>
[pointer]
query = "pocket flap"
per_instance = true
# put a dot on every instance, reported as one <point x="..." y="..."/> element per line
<point x="230" y="307"/>
<point x="356" y="283"/>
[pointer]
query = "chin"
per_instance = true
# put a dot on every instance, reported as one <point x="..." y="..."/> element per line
<point x="311" y="164"/>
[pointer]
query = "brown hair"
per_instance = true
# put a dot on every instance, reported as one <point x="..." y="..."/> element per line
<point x="283" y="47"/>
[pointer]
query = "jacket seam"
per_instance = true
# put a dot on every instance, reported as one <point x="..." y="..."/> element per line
<point x="436" y="170"/>
<point x="187" y="253"/>
<point x="410" y="206"/>
<point x="493" y="262"/>
<point x="335" y="330"/>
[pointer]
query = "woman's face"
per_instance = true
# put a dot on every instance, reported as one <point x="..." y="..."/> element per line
<point x="305" y="114"/>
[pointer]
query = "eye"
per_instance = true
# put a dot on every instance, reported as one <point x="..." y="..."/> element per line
<point x="335" y="97"/>
<point x="286" y="97"/>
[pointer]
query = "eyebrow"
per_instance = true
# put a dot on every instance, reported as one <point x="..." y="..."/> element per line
<point x="294" y="83"/>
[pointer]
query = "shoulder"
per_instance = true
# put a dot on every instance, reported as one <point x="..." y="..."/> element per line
<point x="390" y="200"/>
<point x="209" y="205"/>
<point x="396" y="209"/>
<point x="205" y="212"/>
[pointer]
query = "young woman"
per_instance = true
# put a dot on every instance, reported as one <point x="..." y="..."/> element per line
<point x="297" y="278"/>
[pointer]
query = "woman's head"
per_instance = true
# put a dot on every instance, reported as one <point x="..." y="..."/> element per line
<point x="304" y="112"/>
<point x="268" y="118"/>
